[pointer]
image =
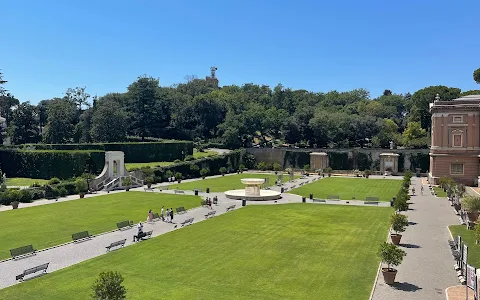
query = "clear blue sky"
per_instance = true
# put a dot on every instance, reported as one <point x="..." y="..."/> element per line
<point x="47" y="46"/>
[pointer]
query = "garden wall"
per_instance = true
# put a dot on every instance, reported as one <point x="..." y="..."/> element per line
<point x="344" y="159"/>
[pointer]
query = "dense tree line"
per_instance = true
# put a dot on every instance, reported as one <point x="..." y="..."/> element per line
<point x="232" y="115"/>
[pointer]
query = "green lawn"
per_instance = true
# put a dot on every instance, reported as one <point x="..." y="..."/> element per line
<point x="468" y="238"/>
<point x="155" y="164"/>
<point x="439" y="191"/>
<point x="348" y="188"/>
<point x="18" y="181"/>
<point x="48" y="225"/>
<point x="225" y="183"/>
<point x="292" y="251"/>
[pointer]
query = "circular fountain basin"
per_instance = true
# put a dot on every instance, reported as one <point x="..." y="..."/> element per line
<point x="264" y="195"/>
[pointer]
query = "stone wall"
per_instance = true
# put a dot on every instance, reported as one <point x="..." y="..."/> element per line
<point x="409" y="158"/>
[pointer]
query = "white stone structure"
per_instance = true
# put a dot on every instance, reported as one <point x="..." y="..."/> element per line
<point x="389" y="161"/>
<point x="318" y="161"/>
<point x="253" y="191"/>
<point x="113" y="173"/>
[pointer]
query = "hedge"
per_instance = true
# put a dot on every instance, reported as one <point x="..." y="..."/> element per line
<point x="45" y="164"/>
<point x="296" y="159"/>
<point x="421" y="161"/>
<point x="339" y="161"/>
<point x="135" y="152"/>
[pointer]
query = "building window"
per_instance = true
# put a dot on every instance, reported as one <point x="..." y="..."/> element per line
<point x="457" y="140"/>
<point x="457" y="119"/>
<point x="456" y="169"/>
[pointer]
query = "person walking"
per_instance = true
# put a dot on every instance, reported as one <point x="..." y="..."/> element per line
<point x="171" y="215"/>
<point x="421" y="189"/>
<point x="150" y="216"/>
<point x="167" y="215"/>
<point x="162" y="213"/>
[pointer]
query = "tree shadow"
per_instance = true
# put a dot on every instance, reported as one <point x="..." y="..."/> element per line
<point x="410" y="246"/>
<point x="405" y="286"/>
<point x="412" y="223"/>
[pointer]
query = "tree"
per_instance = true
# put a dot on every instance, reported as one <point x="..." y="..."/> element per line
<point x="109" y="122"/>
<point x="24" y="128"/>
<point x="387" y="92"/>
<point x="78" y="96"/>
<point x="388" y="132"/>
<point x="2" y="82"/>
<point x="83" y="127"/>
<point x="60" y="122"/>
<point x="7" y="103"/>
<point x="476" y="75"/>
<point x="108" y="286"/>
<point x="414" y="135"/>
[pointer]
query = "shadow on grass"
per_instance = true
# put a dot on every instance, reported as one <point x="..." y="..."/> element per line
<point x="410" y="246"/>
<point x="405" y="286"/>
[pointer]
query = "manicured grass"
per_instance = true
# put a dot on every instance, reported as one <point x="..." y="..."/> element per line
<point x="48" y="225"/>
<point x="348" y="188"/>
<point x="18" y="181"/>
<point x="225" y="183"/>
<point x="439" y="191"/>
<point x="469" y="239"/>
<point x="293" y="251"/>
<point x="154" y="164"/>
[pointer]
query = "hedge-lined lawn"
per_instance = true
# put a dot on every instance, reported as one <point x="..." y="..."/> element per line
<point x="292" y="251"/>
<point x="48" y="225"/>
<point x="349" y="188"/>
<point x="439" y="191"/>
<point x="225" y="183"/>
<point x="468" y="238"/>
<point x="18" y="181"/>
<point x="155" y="164"/>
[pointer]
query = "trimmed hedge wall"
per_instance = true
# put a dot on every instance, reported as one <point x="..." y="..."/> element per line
<point x="421" y="161"/>
<point x="45" y="164"/>
<point x="296" y="159"/>
<point x="339" y="161"/>
<point x="134" y="152"/>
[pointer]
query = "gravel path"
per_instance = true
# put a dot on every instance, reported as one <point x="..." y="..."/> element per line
<point x="427" y="270"/>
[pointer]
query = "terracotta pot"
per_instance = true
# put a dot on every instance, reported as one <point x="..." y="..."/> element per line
<point x="389" y="275"/>
<point x="473" y="216"/>
<point x="395" y="238"/>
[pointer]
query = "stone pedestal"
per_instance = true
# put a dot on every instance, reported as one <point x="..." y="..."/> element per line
<point x="318" y="160"/>
<point x="389" y="161"/>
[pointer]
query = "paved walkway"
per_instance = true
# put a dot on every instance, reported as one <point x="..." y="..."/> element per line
<point x="427" y="270"/>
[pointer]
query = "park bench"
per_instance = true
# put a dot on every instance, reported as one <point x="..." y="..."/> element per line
<point x="187" y="222"/>
<point x="116" y="244"/>
<point x="180" y="210"/>
<point x="333" y="197"/>
<point x="210" y="214"/>
<point x="319" y="200"/>
<point x="22" y="251"/>
<point x="371" y="199"/>
<point x="124" y="224"/>
<point x="370" y="202"/>
<point x="148" y="234"/>
<point x="81" y="236"/>
<point x="231" y="207"/>
<point x="179" y="192"/>
<point x="33" y="270"/>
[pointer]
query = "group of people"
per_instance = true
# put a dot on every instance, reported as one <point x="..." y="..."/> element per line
<point x="208" y="201"/>
<point x="166" y="216"/>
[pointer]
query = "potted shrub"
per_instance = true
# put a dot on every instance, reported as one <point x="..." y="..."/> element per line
<point x="399" y="223"/>
<point x="329" y="171"/>
<point x="15" y="204"/>
<point x="241" y="168"/>
<point x="81" y="187"/>
<point x="178" y="177"/>
<point x="203" y="173"/>
<point x="223" y="170"/>
<point x="392" y="256"/>
<point x="127" y="183"/>
<point x="149" y="181"/>
<point x="367" y="173"/>
<point x="472" y="206"/>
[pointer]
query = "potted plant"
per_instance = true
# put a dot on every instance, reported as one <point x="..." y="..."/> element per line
<point x="15" y="204"/>
<point x="399" y="223"/>
<point x="388" y="171"/>
<point x="329" y="171"/>
<point x="392" y="256"/>
<point x="149" y="181"/>
<point x="127" y="182"/>
<point x="367" y="173"/>
<point x="241" y="168"/>
<point x="81" y="187"/>
<point x="223" y="170"/>
<point x="204" y="173"/>
<point x="178" y="177"/>
<point x="472" y="206"/>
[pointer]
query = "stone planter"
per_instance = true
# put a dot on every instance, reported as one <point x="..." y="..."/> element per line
<point x="389" y="275"/>
<point x="395" y="238"/>
<point x="473" y="216"/>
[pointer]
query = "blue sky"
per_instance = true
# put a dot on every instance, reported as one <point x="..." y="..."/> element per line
<point x="48" y="46"/>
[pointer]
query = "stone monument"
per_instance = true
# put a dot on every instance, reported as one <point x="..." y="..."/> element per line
<point x="389" y="162"/>
<point x="318" y="161"/>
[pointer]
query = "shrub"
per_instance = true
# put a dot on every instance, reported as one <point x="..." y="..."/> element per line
<point x="147" y="171"/>
<point x="177" y="161"/>
<point x="223" y="170"/>
<point x="108" y="286"/>
<point x="62" y="191"/>
<point x="178" y="176"/>
<point x="189" y="158"/>
<point x="399" y="222"/>
<point x="241" y="167"/>
<point x="328" y="170"/>
<point x="25" y="196"/>
<point x="306" y="167"/>
<point x="149" y="180"/>
<point x="51" y="192"/>
<point x="81" y="186"/>
<point x="127" y="182"/>
<point x="203" y="172"/>
<point x="53" y="181"/>
<point x="276" y="167"/>
<point x="391" y="255"/>
<point x="471" y="204"/>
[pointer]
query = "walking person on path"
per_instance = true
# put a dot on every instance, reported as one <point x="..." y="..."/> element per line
<point x="171" y="215"/>
<point x="162" y="213"/>
<point x="150" y="216"/>
<point x="421" y="189"/>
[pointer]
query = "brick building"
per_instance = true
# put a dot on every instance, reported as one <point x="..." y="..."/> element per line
<point x="455" y="147"/>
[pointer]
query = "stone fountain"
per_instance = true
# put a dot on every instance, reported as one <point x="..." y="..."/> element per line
<point x="253" y="191"/>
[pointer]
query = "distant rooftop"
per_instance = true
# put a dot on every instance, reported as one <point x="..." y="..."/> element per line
<point x="468" y="98"/>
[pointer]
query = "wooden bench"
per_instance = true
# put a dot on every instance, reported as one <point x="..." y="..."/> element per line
<point x="22" y="251"/>
<point x="319" y="200"/>
<point x="179" y="192"/>
<point x="187" y="222"/>
<point x="180" y="210"/>
<point x="231" y="207"/>
<point x="333" y="197"/>
<point x="33" y="270"/>
<point x="370" y="202"/>
<point x="372" y="199"/>
<point x="124" y="224"/>
<point x="81" y="236"/>
<point x="116" y="244"/>
<point x="210" y="214"/>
